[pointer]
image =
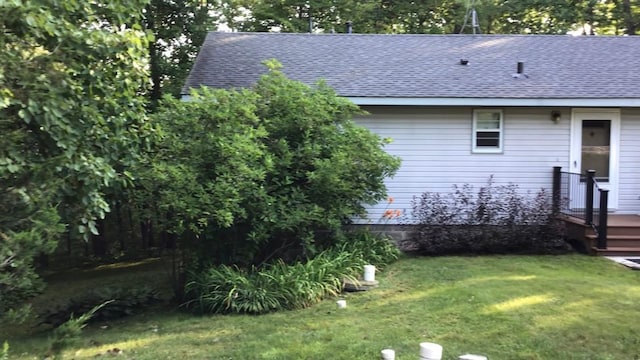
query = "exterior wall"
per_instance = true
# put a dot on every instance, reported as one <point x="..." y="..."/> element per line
<point x="434" y="144"/>
<point x="629" y="183"/>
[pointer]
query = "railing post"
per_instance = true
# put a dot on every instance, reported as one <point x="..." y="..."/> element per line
<point x="602" y="219"/>
<point x="555" y="190"/>
<point x="591" y="175"/>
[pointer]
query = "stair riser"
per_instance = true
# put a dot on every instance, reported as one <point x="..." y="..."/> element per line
<point x="616" y="230"/>
<point x="612" y="231"/>
<point x="623" y="243"/>
<point x="617" y="253"/>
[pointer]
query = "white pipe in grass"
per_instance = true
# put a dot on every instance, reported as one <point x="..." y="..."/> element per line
<point x="430" y="351"/>
<point x="369" y="273"/>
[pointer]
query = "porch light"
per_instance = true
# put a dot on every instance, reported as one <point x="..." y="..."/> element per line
<point x="555" y="116"/>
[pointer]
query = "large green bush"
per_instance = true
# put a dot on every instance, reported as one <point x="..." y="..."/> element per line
<point x="273" y="172"/>
<point x="498" y="219"/>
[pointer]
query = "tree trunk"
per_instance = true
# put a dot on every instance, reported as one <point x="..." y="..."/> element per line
<point x="146" y="229"/>
<point x="99" y="242"/>
<point x="68" y="235"/>
<point x="154" y="59"/>
<point x="120" y="225"/>
<point x="178" y="275"/>
<point x="629" y="23"/>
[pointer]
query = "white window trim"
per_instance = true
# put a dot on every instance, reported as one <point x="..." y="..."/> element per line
<point x="487" y="150"/>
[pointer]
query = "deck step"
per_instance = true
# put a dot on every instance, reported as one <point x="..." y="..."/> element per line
<point x="617" y="251"/>
<point x="623" y="235"/>
<point x="617" y="237"/>
<point x="618" y="240"/>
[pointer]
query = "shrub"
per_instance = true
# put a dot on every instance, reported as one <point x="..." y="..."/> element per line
<point x="245" y="177"/>
<point x="497" y="219"/>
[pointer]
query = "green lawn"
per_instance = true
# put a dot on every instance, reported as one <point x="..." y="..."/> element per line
<point x="503" y="307"/>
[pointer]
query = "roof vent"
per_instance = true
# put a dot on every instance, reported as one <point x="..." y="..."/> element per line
<point x="348" y="27"/>
<point x="464" y="61"/>
<point x="520" y="71"/>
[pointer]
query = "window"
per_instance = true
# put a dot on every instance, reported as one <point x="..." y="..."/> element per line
<point x="487" y="131"/>
<point x="596" y="148"/>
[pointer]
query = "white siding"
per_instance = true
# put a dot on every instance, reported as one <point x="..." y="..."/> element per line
<point x="629" y="198"/>
<point x="434" y="144"/>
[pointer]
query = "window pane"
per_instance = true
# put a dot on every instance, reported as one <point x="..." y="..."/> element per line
<point x="488" y="139"/>
<point x="485" y="115"/>
<point x="596" y="140"/>
<point x="488" y="124"/>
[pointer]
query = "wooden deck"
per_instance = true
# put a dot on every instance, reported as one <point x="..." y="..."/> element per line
<point x="623" y="235"/>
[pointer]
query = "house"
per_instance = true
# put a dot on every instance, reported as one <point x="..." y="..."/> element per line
<point x="461" y="108"/>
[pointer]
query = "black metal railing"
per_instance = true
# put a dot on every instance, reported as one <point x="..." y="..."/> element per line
<point x="574" y="195"/>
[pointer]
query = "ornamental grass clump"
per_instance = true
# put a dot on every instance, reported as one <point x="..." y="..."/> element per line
<point x="229" y="289"/>
<point x="282" y="286"/>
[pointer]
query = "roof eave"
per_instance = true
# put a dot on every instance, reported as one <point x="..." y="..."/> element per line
<point x="559" y="102"/>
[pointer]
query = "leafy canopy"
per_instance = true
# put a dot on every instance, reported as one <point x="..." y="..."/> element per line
<point x="434" y="16"/>
<point x="70" y="117"/>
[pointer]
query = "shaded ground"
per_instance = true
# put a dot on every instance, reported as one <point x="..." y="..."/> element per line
<point x="78" y="282"/>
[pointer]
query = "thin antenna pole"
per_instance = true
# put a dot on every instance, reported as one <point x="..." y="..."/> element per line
<point x="474" y="20"/>
<point x="471" y="13"/>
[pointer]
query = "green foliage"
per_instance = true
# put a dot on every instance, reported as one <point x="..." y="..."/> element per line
<point x="257" y="174"/>
<point x="226" y="289"/>
<point x="324" y="168"/>
<point x="35" y="234"/>
<point x="68" y="333"/>
<point x="72" y="117"/>
<point x="209" y="157"/>
<point x="4" y="355"/>
<point x="104" y="304"/>
<point x="497" y="219"/>
<point x="280" y="286"/>
<point x="369" y="248"/>
<point x="435" y="16"/>
<point x="72" y="121"/>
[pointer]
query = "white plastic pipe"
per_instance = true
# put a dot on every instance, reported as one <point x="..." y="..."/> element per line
<point x="388" y="354"/>
<point x="369" y="273"/>
<point x="430" y="351"/>
<point x="472" y="357"/>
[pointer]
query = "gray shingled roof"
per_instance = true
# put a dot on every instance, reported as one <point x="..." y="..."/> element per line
<point x="428" y="66"/>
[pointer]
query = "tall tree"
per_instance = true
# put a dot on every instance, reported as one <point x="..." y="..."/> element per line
<point x="71" y="121"/>
<point x="435" y="16"/>
<point x="179" y="28"/>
